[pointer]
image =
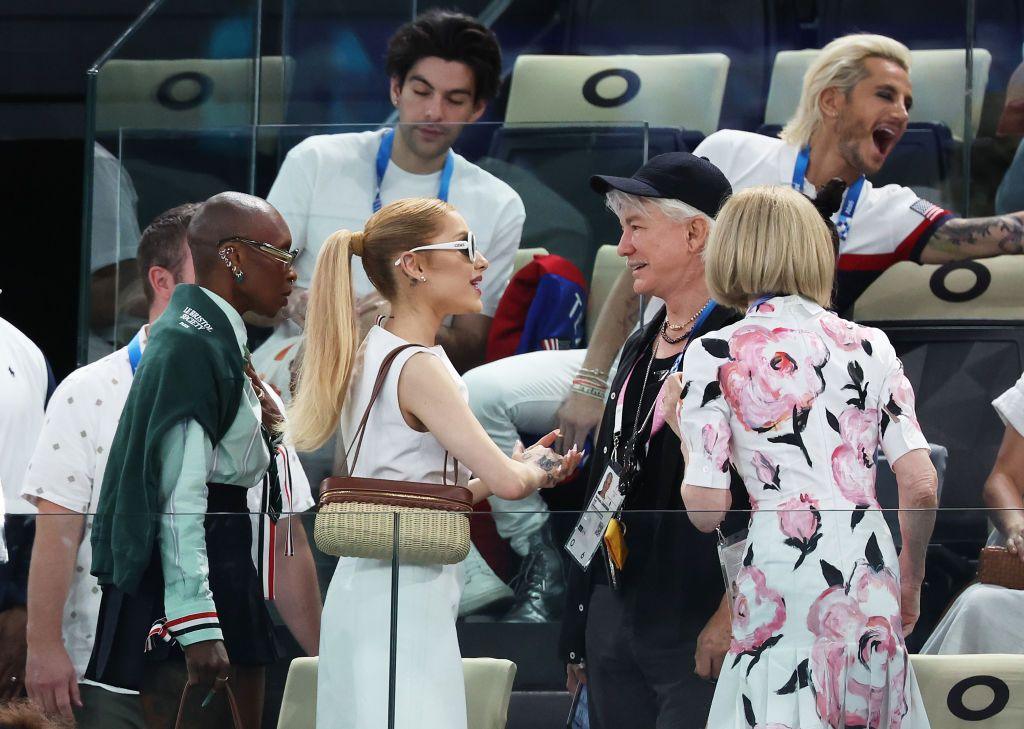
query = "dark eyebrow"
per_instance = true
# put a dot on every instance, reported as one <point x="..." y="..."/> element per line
<point x="421" y="80"/>
<point x="417" y="77"/>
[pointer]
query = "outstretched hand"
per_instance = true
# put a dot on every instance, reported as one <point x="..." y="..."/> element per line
<point x="556" y="468"/>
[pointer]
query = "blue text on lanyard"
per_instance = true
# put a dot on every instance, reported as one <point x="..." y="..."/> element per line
<point x="135" y="352"/>
<point x="849" y="199"/>
<point x="384" y="155"/>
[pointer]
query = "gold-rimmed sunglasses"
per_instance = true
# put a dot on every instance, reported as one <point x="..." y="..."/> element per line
<point x="285" y="257"/>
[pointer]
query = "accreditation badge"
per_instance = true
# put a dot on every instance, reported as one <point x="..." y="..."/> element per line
<point x="588" y="534"/>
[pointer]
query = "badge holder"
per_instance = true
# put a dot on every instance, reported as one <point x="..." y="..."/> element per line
<point x="590" y="531"/>
<point x="731" y="551"/>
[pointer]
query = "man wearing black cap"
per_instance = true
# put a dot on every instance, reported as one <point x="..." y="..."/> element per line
<point x="648" y="605"/>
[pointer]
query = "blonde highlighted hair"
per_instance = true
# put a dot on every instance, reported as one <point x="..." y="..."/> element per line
<point x="331" y="335"/>
<point x="839" y="64"/>
<point x="769" y="239"/>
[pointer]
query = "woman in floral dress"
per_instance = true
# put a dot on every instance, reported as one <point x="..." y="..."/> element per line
<point x="798" y="401"/>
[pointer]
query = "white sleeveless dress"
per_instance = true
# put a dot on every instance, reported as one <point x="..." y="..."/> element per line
<point x="352" y="687"/>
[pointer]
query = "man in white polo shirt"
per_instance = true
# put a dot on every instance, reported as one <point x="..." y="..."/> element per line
<point x="64" y="476"/>
<point x="24" y="385"/>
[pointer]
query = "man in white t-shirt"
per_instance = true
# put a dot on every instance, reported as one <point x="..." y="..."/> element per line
<point x="64" y="477"/>
<point x="852" y="112"/>
<point x="24" y="382"/>
<point x="444" y="68"/>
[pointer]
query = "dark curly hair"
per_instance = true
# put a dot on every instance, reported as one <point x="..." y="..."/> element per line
<point x="451" y="36"/>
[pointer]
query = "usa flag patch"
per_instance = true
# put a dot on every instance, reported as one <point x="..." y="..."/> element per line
<point x="925" y="209"/>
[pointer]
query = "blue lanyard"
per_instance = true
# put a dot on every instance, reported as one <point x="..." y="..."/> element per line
<point x="384" y="156"/>
<point x="135" y="351"/>
<point x="704" y="314"/>
<point x="850" y="199"/>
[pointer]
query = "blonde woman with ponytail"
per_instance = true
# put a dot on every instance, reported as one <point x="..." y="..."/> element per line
<point x="421" y="257"/>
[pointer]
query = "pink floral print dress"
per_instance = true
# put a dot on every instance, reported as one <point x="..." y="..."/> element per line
<point x="798" y="401"/>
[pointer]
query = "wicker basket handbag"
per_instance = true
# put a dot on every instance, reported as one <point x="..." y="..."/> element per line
<point x="998" y="566"/>
<point x="355" y="516"/>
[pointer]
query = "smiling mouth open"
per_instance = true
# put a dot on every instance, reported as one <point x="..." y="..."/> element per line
<point x="884" y="138"/>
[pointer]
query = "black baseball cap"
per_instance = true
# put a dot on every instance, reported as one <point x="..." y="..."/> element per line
<point x="673" y="175"/>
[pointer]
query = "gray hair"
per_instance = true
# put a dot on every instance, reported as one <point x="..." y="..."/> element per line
<point x="620" y="202"/>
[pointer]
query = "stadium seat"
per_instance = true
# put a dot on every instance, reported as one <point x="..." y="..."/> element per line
<point x="749" y="32"/>
<point x="488" y="688"/>
<point x="959" y="332"/>
<point x="620" y="90"/>
<point x="189" y="94"/>
<point x="608" y="266"/>
<point x="562" y="159"/>
<point x="525" y="255"/>
<point x="985" y="290"/>
<point x="968" y="691"/>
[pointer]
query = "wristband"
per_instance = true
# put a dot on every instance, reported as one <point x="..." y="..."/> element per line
<point x="594" y="392"/>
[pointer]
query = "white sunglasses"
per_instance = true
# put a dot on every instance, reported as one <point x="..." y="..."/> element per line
<point x="468" y="246"/>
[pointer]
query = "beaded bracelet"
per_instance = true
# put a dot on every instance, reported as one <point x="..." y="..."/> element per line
<point x="594" y="392"/>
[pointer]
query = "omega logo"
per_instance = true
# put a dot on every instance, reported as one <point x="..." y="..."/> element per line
<point x="173" y="90"/>
<point x="939" y="287"/>
<point x="607" y="102"/>
<point x="1000" y="698"/>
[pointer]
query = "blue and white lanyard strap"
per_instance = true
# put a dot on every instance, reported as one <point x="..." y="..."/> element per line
<point x="850" y="198"/>
<point x="135" y="352"/>
<point x="384" y="156"/>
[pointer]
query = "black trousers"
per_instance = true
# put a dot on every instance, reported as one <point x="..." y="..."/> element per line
<point x="635" y="679"/>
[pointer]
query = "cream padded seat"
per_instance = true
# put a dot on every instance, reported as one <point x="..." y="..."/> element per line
<point x="972" y="691"/>
<point x="983" y="290"/>
<point x="938" y="78"/>
<point x="683" y="90"/>
<point x="191" y="93"/>
<point x="524" y="256"/>
<point x="607" y="268"/>
<point x="488" y="689"/>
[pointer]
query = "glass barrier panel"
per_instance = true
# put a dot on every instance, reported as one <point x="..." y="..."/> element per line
<point x="512" y="612"/>
<point x="183" y="66"/>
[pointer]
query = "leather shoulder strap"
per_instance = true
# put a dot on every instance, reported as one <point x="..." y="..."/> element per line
<point x="378" y="385"/>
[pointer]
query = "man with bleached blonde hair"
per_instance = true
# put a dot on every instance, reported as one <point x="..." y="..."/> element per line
<point x="852" y="112"/>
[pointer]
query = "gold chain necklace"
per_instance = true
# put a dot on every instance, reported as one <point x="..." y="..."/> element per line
<point x="687" y="325"/>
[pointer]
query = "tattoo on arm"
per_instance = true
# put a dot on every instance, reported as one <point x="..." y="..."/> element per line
<point x="962" y="238"/>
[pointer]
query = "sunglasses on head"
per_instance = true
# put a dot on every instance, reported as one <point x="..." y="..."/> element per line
<point x="467" y="246"/>
<point x="285" y="257"/>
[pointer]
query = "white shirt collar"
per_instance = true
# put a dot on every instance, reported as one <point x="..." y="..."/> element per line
<point x="793" y="304"/>
<point x="233" y="316"/>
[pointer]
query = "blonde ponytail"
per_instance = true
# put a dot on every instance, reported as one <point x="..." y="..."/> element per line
<point x="329" y="348"/>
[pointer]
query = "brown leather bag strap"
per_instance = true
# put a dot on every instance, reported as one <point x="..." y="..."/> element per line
<point x="236" y="716"/>
<point x="444" y="473"/>
<point x="378" y="385"/>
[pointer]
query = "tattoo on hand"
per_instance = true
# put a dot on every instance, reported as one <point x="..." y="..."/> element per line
<point x="1006" y="232"/>
<point x="547" y="464"/>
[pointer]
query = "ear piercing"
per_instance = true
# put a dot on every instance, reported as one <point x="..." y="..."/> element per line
<point x="413" y="280"/>
<point x="235" y="270"/>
